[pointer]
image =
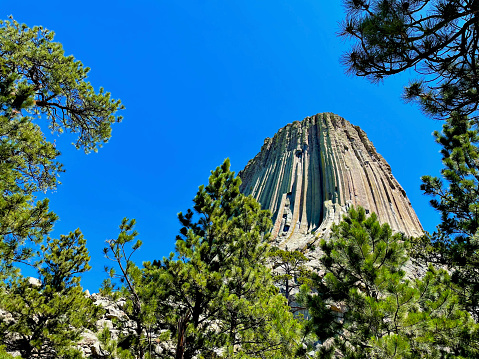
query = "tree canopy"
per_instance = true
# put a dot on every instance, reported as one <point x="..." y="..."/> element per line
<point x="436" y="38"/>
<point x="213" y="297"/>
<point x="216" y="295"/>
<point x="366" y="305"/>
<point x="49" y="316"/>
<point x="39" y="82"/>
<point x="455" y="243"/>
<point x="225" y="303"/>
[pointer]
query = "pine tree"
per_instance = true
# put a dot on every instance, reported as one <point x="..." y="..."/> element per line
<point x="290" y="272"/>
<point x="456" y="243"/>
<point x="223" y="301"/>
<point x="435" y="38"/>
<point x="38" y="82"/>
<point x="139" y="325"/>
<point x="214" y="297"/>
<point x="5" y="355"/>
<point x="365" y="306"/>
<point x="48" y="317"/>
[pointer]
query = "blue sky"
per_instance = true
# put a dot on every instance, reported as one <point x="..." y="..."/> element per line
<point x="201" y="81"/>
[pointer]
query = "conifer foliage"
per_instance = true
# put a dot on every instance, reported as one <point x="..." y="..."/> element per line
<point x="458" y="202"/>
<point x="140" y="289"/>
<point x="48" y="317"/>
<point x="290" y="272"/>
<point x="436" y="38"/>
<point x="214" y="297"/>
<point x="39" y="83"/>
<point x="38" y="79"/>
<point x="224" y="302"/>
<point x="366" y="307"/>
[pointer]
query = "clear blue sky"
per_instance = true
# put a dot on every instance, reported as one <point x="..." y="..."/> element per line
<point x="203" y="80"/>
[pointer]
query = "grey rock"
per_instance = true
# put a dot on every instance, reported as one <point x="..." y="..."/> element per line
<point x="311" y="172"/>
<point x="34" y="282"/>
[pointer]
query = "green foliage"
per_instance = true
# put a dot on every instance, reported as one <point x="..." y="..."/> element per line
<point x="48" y="317"/>
<point x="221" y="299"/>
<point x="139" y="290"/>
<point x="456" y="243"/>
<point x="458" y="203"/>
<point x="289" y="274"/>
<point x="27" y="165"/>
<point x="436" y="38"/>
<point x="365" y="306"/>
<point x="5" y="355"/>
<point x="214" y="298"/>
<point x="37" y="81"/>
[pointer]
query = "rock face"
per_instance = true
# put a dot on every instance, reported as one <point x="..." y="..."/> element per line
<point x="312" y="171"/>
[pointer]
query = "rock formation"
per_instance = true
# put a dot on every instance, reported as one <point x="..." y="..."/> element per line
<point x="311" y="171"/>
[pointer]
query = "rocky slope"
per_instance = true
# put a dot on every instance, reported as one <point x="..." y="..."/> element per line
<point x="311" y="171"/>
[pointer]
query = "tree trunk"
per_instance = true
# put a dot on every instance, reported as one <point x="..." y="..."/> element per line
<point x="181" y="344"/>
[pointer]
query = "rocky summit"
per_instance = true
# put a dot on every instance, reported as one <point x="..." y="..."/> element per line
<point x="312" y="171"/>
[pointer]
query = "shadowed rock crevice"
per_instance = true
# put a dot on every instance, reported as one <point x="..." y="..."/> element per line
<point x="311" y="171"/>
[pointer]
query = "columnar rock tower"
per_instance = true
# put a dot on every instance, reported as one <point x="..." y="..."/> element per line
<point x="311" y="171"/>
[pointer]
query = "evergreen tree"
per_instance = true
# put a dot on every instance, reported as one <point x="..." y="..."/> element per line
<point x="214" y="297"/>
<point x="456" y="243"/>
<point x="289" y="274"/>
<point x="37" y="81"/>
<point x="139" y="325"/>
<point x="5" y="355"/>
<point x="436" y="38"/>
<point x="366" y="306"/>
<point x="222" y="299"/>
<point x="48" y="317"/>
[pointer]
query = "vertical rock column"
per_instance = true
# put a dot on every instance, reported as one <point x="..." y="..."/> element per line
<point x="311" y="171"/>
